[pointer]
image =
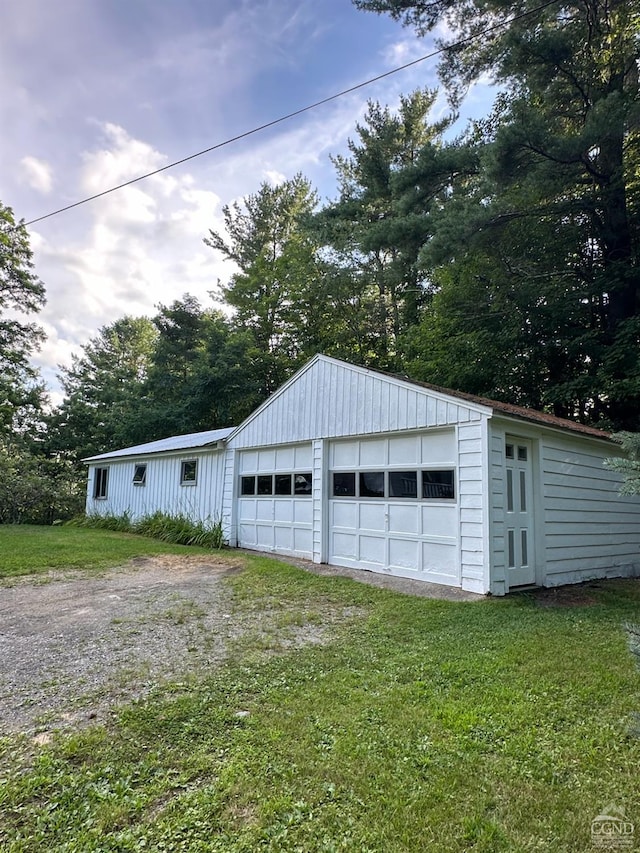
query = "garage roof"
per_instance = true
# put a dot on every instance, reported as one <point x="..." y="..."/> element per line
<point x="175" y="442"/>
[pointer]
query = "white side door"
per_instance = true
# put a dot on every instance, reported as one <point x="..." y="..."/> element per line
<point x="519" y="526"/>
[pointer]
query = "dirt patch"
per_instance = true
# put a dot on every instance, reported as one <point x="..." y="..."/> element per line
<point x="71" y="646"/>
<point x="576" y="595"/>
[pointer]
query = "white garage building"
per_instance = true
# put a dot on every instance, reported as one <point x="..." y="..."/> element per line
<point x="357" y="468"/>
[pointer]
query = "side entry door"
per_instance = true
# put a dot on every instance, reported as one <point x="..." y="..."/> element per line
<point x="519" y="527"/>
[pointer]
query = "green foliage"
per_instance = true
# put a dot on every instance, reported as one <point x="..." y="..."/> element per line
<point x="176" y="529"/>
<point x="628" y="465"/>
<point x="420" y="724"/>
<point x="372" y="237"/>
<point x="552" y="212"/>
<point x="36" y="489"/>
<point x="21" y="293"/>
<point x="268" y="239"/>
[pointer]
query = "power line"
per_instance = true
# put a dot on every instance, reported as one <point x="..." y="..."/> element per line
<point x="291" y="115"/>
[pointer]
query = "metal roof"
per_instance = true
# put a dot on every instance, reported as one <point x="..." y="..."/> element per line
<point x="175" y="442"/>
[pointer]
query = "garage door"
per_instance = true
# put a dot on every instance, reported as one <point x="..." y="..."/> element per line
<point x="275" y="510"/>
<point x="393" y="506"/>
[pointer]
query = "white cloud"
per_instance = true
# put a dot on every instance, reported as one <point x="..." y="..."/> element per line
<point x="37" y="174"/>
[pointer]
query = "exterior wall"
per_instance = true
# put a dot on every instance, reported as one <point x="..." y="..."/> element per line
<point x="330" y="399"/>
<point x="584" y="529"/>
<point x="163" y="491"/>
<point x="474" y="514"/>
<point x="590" y="530"/>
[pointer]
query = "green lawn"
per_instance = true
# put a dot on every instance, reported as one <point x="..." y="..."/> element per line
<point x="423" y="725"/>
<point x="26" y="549"/>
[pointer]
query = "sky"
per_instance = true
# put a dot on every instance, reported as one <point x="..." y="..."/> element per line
<point x="96" y="93"/>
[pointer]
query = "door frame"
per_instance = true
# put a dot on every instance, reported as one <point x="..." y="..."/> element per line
<point x="533" y="543"/>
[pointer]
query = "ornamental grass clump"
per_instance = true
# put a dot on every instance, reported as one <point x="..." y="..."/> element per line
<point x="176" y="529"/>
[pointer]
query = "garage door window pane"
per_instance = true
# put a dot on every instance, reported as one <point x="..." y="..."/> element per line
<point x="248" y="486"/>
<point x="372" y="484"/>
<point x="283" y="484"/>
<point x="265" y="484"/>
<point x="403" y="484"/>
<point x="438" y="485"/>
<point x="303" y="484"/>
<point x="344" y="484"/>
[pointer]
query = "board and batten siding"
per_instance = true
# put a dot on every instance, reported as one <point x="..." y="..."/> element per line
<point x="590" y="530"/>
<point x="328" y="399"/>
<point x="473" y="491"/>
<point x="163" y="491"/>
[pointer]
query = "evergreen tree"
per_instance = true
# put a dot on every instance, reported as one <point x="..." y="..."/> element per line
<point x="560" y="162"/>
<point x="274" y="288"/>
<point x="373" y="237"/>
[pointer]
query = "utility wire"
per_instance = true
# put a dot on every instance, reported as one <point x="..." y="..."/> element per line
<point x="291" y="115"/>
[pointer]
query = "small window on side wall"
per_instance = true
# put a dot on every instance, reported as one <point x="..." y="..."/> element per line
<point x="100" y="483"/>
<point x="438" y="485"/>
<point x="140" y="475"/>
<point x="189" y="472"/>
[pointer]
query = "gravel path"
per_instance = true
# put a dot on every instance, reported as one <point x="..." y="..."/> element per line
<point x="72" y="646"/>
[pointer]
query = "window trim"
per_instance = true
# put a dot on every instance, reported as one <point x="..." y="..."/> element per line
<point x="273" y="476"/>
<point x="139" y="480"/>
<point x="419" y="472"/>
<point x="183" y="479"/>
<point x="101" y="483"/>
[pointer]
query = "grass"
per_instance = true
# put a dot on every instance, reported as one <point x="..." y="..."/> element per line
<point x="422" y="725"/>
<point x="26" y="549"/>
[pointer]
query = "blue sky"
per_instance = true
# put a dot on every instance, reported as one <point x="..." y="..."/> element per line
<point x="96" y="93"/>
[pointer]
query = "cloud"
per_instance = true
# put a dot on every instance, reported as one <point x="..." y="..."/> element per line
<point x="37" y="174"/>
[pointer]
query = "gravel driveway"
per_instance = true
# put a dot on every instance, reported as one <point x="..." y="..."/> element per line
<point x="73" y="646"/>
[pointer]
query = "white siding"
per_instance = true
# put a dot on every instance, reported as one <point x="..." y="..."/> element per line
<point x="473" y="490"/>
<point x="589" y="529"/>
<point x="497" y="508"/>
<point x="329" y="399"/>
<point x="163" y="491"/>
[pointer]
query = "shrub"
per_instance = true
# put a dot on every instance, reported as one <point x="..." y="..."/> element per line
<point x="175" y="529"/>
<point x="37" y="489"/>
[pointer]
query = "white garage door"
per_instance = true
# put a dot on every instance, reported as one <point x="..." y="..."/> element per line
<point x="393" y="506"/>
<point x="275" y="511"/>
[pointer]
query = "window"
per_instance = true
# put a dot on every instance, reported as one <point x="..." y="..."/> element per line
<point x="140" y="475"/>
<point x="344" y="484"/>
<point x="100" y="481"/>
<point x="283" y="484"/>
<point x="508" y="451"/>
<point x="403" y="484"/>
<point x="265" y="484"/>
<point x="438" y="485"/>
<point x="522" y="454"/>
<point x="372" y="484"/>
<point x="247" y="485"/>
<point x="303" y="483"/>
<point x="189" y="472"/>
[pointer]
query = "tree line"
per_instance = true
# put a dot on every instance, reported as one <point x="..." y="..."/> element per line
<point x="502" y="261"/>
